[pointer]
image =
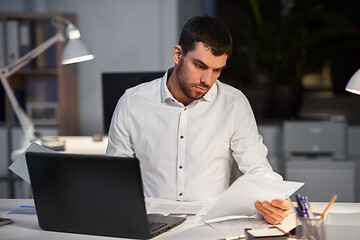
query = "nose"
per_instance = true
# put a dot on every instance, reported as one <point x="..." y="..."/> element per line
<point x="206" y="77"/>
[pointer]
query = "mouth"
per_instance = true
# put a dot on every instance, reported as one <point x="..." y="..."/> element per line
<point x="201" y="89"/>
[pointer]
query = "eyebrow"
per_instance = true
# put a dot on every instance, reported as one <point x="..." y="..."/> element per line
<point x="202" y="63"/>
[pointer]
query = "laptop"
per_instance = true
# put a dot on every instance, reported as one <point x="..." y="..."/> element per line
<point x="92" y="194"/>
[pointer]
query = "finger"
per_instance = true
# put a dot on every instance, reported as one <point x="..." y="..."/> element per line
<point x="281" y="203"/>
<point x="266" y="209"/>
<point x="268" y="215"/>
<point x="268" y="218"/>
<point x="275" y="210"/>
<point x="272" y="212"/>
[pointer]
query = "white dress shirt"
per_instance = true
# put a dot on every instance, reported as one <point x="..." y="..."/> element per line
<point x="186" y="152"/>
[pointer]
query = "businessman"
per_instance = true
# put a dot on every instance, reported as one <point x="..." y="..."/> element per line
<point x="187" y="128"/>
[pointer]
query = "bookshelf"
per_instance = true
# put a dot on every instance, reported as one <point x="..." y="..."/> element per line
<point x="43" y="80"/>
<point x="46" y="89"/>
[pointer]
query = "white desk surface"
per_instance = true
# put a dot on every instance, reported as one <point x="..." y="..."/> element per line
<point x="26" y="226"/>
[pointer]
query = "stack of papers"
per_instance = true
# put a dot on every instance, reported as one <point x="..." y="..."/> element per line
<point x="193" y="211"/>
<point x="235" y="211"/>
<point x="239" y="198"/>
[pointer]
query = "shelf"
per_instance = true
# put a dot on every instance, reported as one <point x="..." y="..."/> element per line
<point x="32" y="16"/>
<point x="33" y="72"/>
<point x="45" y="74"/>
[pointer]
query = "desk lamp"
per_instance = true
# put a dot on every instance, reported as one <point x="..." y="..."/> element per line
<point x="354" y="83"/>
<point x="74" y="51"/>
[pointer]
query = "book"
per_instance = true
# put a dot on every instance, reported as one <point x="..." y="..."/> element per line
<point x="50" y="53"/>
<point x="39" y="39"/>
<point x="12" y="41"/>
<point x="26" y="40"/>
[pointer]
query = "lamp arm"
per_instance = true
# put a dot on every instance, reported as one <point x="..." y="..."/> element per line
<point x="18" y="64"/>
<point x="25" y="122"/>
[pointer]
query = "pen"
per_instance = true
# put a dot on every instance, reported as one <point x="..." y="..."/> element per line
<point x="298" y="200"/>
<point x="301" y="208"/>
<point x="295" y="209"/>
<point x="311" y="215"/>
<point x="303" y="201"/>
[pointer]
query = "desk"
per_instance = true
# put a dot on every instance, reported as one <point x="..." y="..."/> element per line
<point x="26" y="226"/>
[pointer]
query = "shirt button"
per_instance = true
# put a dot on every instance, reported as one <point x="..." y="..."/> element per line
<point x="181" y="137"/>
<point x="180" y="194"/>
<point x="180" y="167"/>
<point x="185" y="109"/>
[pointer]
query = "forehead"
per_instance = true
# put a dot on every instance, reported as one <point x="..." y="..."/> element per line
<point x="202" y="53"/>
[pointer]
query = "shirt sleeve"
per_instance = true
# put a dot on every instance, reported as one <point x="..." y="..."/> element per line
<point x="247" y="145"/>
<point x="119" y="141"/>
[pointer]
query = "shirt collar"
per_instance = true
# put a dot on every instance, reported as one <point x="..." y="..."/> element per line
<point x="211" y="94"/>
<point x="165" y="93"/>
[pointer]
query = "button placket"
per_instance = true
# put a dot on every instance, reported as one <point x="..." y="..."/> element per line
<point x="181" y="154"/>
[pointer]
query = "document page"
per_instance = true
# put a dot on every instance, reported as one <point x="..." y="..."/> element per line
<point x="239" y="198"/>
<point x="237" y="226"/>
<point x="193" y="211"/>
<point x="20" y="168"/>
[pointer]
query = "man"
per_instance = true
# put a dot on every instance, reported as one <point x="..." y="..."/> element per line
<point x="187" y="128"/>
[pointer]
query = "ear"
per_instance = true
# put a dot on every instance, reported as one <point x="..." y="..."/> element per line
<point x="177" y="53"/>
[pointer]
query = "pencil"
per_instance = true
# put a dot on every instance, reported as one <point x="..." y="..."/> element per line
<point x="327" y="208"/>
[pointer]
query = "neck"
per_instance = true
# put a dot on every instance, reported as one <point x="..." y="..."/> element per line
<point x="175" y="89"/>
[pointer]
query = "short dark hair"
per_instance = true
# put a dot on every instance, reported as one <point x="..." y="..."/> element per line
<point x="209" y="31"/>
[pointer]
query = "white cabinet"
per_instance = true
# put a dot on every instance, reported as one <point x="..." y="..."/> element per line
<point x="324" y="178"/>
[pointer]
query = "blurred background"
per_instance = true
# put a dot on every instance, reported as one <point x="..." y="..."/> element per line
<point x="292" y="59"/>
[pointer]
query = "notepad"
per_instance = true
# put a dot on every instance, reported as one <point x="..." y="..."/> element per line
<point x="28" y="210"/>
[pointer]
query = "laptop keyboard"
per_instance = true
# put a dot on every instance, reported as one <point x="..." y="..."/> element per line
<point x="153" y="226"/>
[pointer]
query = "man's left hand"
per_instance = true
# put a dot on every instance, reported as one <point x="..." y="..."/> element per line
<point x="274" y="212"/>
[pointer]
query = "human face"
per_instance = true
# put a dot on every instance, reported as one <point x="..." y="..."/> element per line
<point x="194" y="73"/>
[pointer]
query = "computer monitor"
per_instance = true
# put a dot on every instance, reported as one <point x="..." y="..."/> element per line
<point x="114" y="85"/>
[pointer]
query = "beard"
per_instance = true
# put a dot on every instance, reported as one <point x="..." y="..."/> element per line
<point x="187" y="87"/>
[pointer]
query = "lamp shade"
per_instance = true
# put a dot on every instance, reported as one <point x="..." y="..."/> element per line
<point x="354" y="83"/>
<point x="75" y="51"/>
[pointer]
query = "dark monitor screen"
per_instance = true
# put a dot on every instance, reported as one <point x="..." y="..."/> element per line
<point x="114" y="86"/>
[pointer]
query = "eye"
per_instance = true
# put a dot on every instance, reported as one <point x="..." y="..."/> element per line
<point x="217" y="70"/>
<point x="201" y="66"/>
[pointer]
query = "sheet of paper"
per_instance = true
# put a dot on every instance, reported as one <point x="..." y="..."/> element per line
<point x="19" y="166"/>
<point x="237" y="226"/>
<point x="289" y="223"/>
<point x="232" y="226"/>
<point x="193" y="211"/>
<point x="240" y="197"/>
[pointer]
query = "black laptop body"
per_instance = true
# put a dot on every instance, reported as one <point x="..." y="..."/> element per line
<point x="92" y="194"/>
